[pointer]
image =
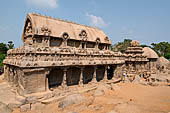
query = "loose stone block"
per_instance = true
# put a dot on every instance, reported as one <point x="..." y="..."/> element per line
<point x="25" y="107"/>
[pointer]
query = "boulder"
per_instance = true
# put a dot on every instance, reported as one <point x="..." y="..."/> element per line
<point x="104" y="87"/>
<point x="72" y="99"/>
<point x="162" y="61"/>
<point x="98" y="107"/>
<point x="101" y="89"/>
<point x="98" y="92"/>
<point x="4" y="108"/>
<point x="21" y="99"/>
<point x="153" y="83"/>
<point x="25" y="107"/>
<point x="32" y="99"/>
<point x="37" y="106"/>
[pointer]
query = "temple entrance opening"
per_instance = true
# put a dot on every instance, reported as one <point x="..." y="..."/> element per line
<point x="110" y="71"/>
<point x="100" y="73"/>
<point x="88" y="74"/>
<point x="55" y="77"/>
<point x="73" y="76"/>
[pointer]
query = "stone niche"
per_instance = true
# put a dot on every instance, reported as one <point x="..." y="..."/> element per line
<point x="55" y="42"/>
<point x="90" y="45"/>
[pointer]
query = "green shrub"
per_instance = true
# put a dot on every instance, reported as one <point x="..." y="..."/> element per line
<point x="2" y="57"/>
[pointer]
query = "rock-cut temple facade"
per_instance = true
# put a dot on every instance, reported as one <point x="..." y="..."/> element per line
<point x="58" y="53"/>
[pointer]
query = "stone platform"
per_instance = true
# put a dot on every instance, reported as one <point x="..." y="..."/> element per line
<point x="37" y="100"/>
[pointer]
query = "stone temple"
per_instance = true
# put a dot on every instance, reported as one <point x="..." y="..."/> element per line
<point x="60" y="54"/>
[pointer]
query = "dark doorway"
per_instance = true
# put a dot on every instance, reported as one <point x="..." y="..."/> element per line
<point x="100" y="73"/>
<point x="55" y="77"/>
<point x="73" y="76"/>
<point x="83" y="45"/>
<point x="110" y="71"/>
<point x="88" y="74"/>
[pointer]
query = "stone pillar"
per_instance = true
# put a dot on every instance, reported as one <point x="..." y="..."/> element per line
<point x="81" y="76"/>
<point x="15" y="77"/>
<point x="64" y="82"/>
<point x="5" y="72"/>
<point x="8" y="74"/>
<point x="47" y="71"/>
<point x="11" y="76"/>
<point x="94" y="75"/>
<point x="85" y="45"/>
<point x="145" y="66"/>
<point x="150" y="65"/>
<point x="46" y="84"/>
<point x="64" y="43"/>
<point x="105" y="73"/>
<point x="97" y="46"/>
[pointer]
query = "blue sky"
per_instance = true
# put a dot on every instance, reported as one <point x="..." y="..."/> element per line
<point x="144" y="20"/>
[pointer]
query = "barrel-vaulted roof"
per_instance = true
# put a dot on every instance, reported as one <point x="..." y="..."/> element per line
<point x="56" y="28"/>
<point x="149" y="53"/>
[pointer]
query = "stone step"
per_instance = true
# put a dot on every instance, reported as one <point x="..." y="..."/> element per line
<point x="52" y="100"/>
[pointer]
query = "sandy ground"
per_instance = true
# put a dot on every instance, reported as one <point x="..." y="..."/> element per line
<point x="1" y="79"/>
<point x="131" y="98"/>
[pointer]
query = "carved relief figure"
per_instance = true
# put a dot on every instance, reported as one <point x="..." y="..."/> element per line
<point x="28" y="29"/>
<point x="45" y="30"/>
<point x="135" y="43"/>
<point x="83" y="35"/>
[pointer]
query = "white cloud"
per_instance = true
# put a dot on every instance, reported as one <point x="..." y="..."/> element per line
<point x="96" y="20"/>
<point x="44" y="3"/>
<point x="127" y="31"/>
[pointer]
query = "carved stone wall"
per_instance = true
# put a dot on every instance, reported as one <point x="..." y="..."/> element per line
<point x="32" y="80"/>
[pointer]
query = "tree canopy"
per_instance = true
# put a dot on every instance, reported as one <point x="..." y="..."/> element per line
<point x="161" y="48"/>
<point x="121" y="46"/>
<point x="3" y="50"/>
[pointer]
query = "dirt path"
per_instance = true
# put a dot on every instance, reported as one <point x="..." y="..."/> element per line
<point x="131" y="98"/>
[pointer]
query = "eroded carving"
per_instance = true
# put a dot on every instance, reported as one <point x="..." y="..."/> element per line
<point x="45" y="30"/>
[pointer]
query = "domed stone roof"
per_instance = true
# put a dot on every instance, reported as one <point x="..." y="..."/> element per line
<point x="36" y="24"/>
<point x="162" y="61"/>
<point x="150" y="53"/>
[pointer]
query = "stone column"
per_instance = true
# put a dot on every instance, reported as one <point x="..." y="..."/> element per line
<point x="85" y="45"/>
<point x="64" y="82"/>
<point x="81" y="76"/>
<point x="5" y="72"/>
<point x="8" y="75"/>
<point x="150" y="65"/>
<point x="15" y="77"/>
<point x="97" y="46"/>
<point x="145" y="65"/>
<point x="46" y="84"/>
<point x="94" y="80"/>
<point x="105" y="73"/>
<point x="47" y="71"/>
<point x="11" y="75"/>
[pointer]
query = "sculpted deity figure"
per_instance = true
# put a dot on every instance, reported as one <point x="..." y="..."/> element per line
<point x="28" y="29"/>
<point x="135" y="43"/>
